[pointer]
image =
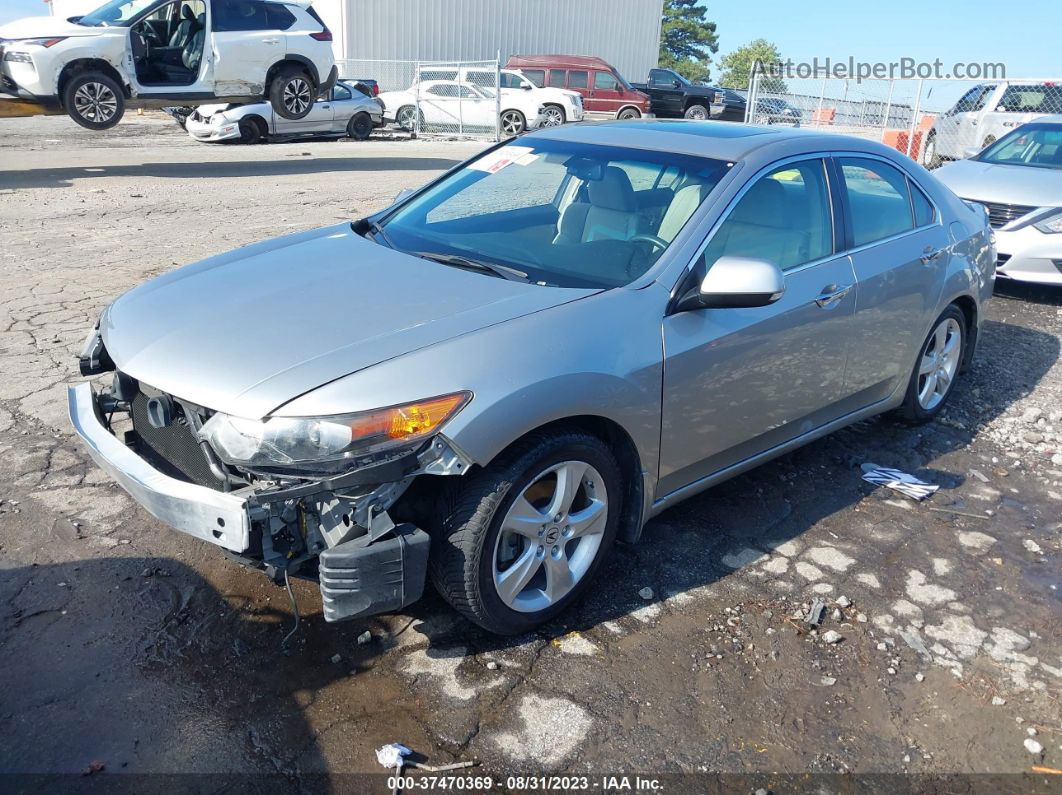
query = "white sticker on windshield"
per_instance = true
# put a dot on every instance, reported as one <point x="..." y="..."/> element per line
<point x="495" y="161"/>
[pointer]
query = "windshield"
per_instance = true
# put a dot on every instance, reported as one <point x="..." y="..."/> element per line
<point x="119" y="13"/>
<point x="564" y="213"/>
<point x="1032" y="145"/>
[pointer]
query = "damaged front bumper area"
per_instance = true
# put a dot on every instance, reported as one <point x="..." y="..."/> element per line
<point x="335" y="530"/>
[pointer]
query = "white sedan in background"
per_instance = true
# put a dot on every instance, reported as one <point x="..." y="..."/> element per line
<point x="457" y="106"/>
<point x="1019" y="180"/>
<point x="345" y="110"/>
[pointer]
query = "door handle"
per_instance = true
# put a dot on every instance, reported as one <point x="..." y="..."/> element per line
<point x="928" y="254"/>
<point x="831" y="294"/>
<point x="270" y="41"/>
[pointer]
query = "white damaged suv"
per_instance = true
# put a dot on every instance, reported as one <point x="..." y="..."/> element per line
<point x="153" y="53"/>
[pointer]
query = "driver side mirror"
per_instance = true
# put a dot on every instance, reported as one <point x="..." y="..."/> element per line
<point x="676" y="84"/>
<point x="735" y="283"/>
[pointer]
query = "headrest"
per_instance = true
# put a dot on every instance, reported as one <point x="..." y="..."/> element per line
<point x="186" y="12"/>
<point x="763" y="204"/>
<point x="613" y="191"/>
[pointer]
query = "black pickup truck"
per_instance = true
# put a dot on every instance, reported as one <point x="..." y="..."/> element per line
<point x="672" y="96"/>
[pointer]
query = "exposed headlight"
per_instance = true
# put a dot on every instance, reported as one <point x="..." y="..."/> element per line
<point x="287" y="441"/>
<point x="1050" y="223"/>
<point x="51" y="42"/>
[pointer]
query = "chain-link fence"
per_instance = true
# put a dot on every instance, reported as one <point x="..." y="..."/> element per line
<point x="930" y="120"/>
<point x="454" y="98"/>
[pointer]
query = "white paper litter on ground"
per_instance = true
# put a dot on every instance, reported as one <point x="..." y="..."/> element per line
<point x="899" y="481"/>
<point x="391" y="755"/>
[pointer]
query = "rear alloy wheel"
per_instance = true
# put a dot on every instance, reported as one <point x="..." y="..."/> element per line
<point x="292" y="93"/>
<point x="939" y="361"/>
<point x="512" y="123"/>
<point x="521" y="538"/>
<point x="94" y="100"/>
<point x="697" y="112"/>
<point x="629" y="113"/>
<point x="250" y="131"/>
<point x="360" y="126"/>
<point x="553" y="116"/>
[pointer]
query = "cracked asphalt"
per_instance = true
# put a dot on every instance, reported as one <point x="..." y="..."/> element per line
<point x="126" y="647"/>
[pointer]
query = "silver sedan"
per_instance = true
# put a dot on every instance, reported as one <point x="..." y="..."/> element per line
<point x="506" y="371"/>
<point x="346" y="110"/>
<point x="1019" y="180"/>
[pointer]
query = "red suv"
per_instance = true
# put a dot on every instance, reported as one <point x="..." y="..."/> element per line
<point x="605" y="93"/>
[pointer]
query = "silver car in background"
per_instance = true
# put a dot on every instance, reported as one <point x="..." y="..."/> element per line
<point x="498" y="376"/>
<point x="345" y="110"/>
<point x="1019" y="180"/>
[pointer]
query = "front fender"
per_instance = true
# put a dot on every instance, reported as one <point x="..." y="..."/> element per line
<point x="600" y="356"/>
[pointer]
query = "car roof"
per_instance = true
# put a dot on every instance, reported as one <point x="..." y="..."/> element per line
<point x="561" y="61"/>
<point x="721" y="140"/>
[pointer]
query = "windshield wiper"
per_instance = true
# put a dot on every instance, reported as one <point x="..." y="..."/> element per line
<point x="376" y="228"/>
<point x="456" y="260"/>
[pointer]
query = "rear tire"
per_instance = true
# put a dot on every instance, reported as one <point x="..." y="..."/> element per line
<point x="360" y="126"/>
<point x="474" y="544"/>
<point x="629" y="113"/>
<point x="512" y="123"/>
<point x="94" y="100"/>
<point x="696" y="112"/>
<point x="406" y="116"/>
<point x="292" y="93"/>
<point x="937" y="368"/>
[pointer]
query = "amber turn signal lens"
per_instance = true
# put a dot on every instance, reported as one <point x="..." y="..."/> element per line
<point x="410" y="421"/>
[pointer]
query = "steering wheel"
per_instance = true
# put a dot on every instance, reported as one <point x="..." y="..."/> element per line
<point x="656" y="242"/>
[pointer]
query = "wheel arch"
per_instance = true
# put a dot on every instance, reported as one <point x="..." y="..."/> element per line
<point x="622" y="445"/>
<point x="89" y="65"/>
<point x="292" y="59"/>
<point x="968" y="306"/>
<point x="629" y="107"/>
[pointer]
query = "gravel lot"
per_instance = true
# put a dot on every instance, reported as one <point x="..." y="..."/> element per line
<point x="127" y="645"/>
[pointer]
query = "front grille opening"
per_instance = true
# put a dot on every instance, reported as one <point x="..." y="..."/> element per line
<point x="173" y="450"/>
<point x="1002" y="214"/>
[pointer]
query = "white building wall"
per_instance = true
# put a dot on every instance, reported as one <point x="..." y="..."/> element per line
<point x="626" y="33"/>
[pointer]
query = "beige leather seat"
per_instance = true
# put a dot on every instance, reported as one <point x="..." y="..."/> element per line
<point x="762" y="226"/>
<point x="609" y="213"/>
<point x="682" y="206"/>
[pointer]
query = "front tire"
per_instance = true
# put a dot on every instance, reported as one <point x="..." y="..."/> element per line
<point x="519" y="540"/>
<point x="553" y="116"/>
<point x="251" y="130"/>
<point x="629" y="113"/>
<point x="696" y="112"/>
<point x="360" y="126"/>
<point x="937" y="367"/>
<point x="94" y="100"/>
<point x="292" y="93"/>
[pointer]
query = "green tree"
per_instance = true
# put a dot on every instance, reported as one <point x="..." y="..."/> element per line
<point x="687" y="39"/>
<point x="737" y="66"/>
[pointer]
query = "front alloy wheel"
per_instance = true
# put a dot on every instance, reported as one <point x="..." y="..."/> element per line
<point x="550" y="536"/>
<point x="94" y="100"/>
<point x="515" y="542"/>
<point x="552" y="116"/>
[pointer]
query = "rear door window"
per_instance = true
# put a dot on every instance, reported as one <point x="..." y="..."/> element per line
<point x="879" y="199"/>
<point x="557" y="78"/>
<point x="239" y="15"/>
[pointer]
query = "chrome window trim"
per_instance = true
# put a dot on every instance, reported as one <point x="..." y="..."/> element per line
<point x="911" y="180"/>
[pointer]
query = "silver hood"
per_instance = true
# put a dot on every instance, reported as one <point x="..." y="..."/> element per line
<point x="972" y="179"/>
<point x="247" y="331"/>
